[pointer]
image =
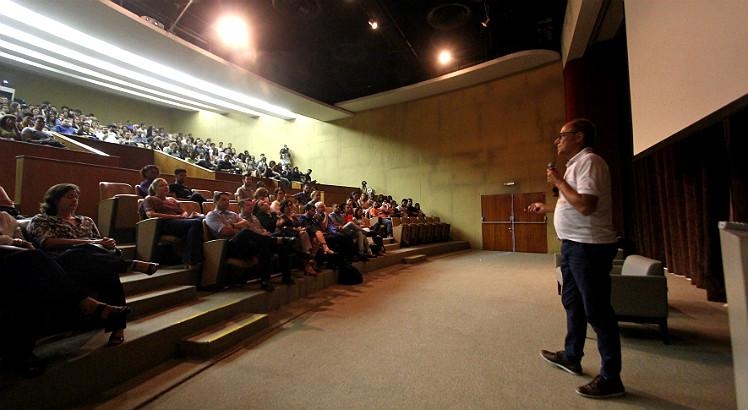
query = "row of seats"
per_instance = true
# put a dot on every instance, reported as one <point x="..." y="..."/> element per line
<point x="118" y="218"/>
<point x="410" y="230"/>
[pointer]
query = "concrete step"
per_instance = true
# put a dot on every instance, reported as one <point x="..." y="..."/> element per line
<point x="161" y="299"/>
<point x="127" y="249"/>
<point x="223" y="335"/>
<point x="135" y="283"/>
<point x="391" y="246"/>
<point x="414" y="259"/>
<point x="81" y="366"/>
<point x="396" y="257"/>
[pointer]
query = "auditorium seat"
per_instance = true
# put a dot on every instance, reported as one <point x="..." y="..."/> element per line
<point x="207" y="194"/>
<point x="149" y="240"/>
<point x="117" y="211"/>
<point x="218" y="269"/>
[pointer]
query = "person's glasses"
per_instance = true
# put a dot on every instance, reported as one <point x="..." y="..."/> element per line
<point x="563" y="134"/>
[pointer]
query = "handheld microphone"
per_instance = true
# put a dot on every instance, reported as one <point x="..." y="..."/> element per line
<point x="552" y="165"/>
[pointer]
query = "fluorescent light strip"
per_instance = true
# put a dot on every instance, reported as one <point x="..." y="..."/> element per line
<point x="113" y="68"/>
<point x="52" y="60"/>
<point x="100" y="83"/>
<point x="62" y="31"/>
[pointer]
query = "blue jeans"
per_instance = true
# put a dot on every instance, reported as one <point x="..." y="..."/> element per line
<point x="586" y="297"/>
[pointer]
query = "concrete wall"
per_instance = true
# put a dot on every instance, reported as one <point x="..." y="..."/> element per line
<point x="443" y="151"/>
<point x="108" y="108"/>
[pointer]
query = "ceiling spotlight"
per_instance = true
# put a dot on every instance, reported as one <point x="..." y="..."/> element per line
<point x="485" y="22"/>
<point x="233" y="31"/>
<point x="445" y="57"/>
<point x="374" y="24"/>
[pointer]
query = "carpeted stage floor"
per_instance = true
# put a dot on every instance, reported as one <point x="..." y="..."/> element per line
<point x="460" y="331"/>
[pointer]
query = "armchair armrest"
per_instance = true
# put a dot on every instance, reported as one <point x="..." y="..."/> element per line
<point x="146" y="238"/>
<point x="213" y="255"/>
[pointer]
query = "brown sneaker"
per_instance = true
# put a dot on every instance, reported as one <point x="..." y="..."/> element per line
<point x="559" y="360"/>
<point x="600" y="388"/>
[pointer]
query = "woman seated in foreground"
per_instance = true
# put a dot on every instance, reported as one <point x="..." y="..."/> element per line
<point x="93" y="262"/>
<point x="39" y="298"/>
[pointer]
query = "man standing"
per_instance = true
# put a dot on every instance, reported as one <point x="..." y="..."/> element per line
<point x="583" y="222"/>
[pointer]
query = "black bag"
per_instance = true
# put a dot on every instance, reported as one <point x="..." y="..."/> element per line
<point x="349" y="275"/>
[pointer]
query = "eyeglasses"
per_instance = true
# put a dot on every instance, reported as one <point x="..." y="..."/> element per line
<point x="563" y="134"/>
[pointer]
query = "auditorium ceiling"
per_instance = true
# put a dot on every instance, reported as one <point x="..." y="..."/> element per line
<point x="327" y="49"/>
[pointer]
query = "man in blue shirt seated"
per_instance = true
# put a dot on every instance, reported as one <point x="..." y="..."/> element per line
<point x="65" y="128"/>
<point x="246" y="239"/>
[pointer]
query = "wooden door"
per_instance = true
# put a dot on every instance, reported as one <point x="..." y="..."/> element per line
<point x="496" y="212"/>
<point x="530" y="230"/>
<point x="508" y="227"/>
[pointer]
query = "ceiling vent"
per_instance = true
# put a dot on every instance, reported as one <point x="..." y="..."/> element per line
<point x="449" y="16"/>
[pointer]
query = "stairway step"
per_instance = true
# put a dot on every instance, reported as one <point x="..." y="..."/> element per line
<point x="147" y="302"/>
<point x="135" y="283"/>
<point x="128" y="250"/>
<point x="415" y="258"/>
<point x="391" y="246"/>
<point x="223" y="335"/>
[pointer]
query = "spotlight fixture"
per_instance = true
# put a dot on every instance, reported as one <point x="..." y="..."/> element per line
<point x="445" y="57"/>
<point x="373" y="24"/>
<point x="487" y="21"/>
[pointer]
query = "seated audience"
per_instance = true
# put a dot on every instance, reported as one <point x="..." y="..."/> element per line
<point x="180" y="190"/>
<point x="149" y="174"/>
<point x="175" y="221"/>
<point x="304" y="196"/>
<point x="350" y="229"/>
<point x="94" y="262"/>
<point x="8" y="130"/>
<point x="247" y="238"/>
<point x="280" y="196"/>
<point x="65" y="127"/>
<point x="246" y="190"/>
<point x="312" y="223"/>
<point x="289" y="226"/>
<point x="37" y="135"/>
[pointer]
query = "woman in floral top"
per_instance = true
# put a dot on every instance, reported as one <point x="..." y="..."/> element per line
<point x="94" y="262"/>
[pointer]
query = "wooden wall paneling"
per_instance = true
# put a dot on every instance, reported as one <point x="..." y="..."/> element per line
<point x="35" y="175"/>
<point x="130" y="156"/>
<point x="9" y="150"/>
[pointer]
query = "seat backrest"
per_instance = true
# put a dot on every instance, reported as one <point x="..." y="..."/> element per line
<point x="208" y="206"/>
<point x="189" y="206"/>
<point x="110" y="189"/>
<point x="208" y="195"/>
<point x="637" y="265"/>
